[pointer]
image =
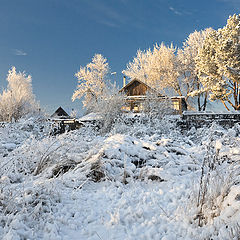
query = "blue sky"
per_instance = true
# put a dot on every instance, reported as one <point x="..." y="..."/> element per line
<point x="51" y="39"/>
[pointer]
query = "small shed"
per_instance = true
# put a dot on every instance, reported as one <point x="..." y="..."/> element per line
<point x="60" y="114"/>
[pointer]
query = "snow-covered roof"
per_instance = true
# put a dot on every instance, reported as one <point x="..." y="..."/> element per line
<point x="90" y="117"/>
<point x="60" y="113"/>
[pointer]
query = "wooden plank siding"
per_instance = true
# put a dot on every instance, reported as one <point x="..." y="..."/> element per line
<point x="136" y="89"/>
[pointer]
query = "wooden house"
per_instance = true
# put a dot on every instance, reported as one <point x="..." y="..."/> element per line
<point x="136" y="94"/>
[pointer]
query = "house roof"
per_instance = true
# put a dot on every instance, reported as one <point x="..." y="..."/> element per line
<point x="60" y="113"/>
<point x="90" y="117"/>
<point x="154" y="90"/>
<point x="136" y="80"/>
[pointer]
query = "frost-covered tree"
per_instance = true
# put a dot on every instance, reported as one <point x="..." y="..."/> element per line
<point x="164" y="69"/>
<point x="140" y="66"/>
<point x="187" y="65"/>
<point x="218" y="63"/>
<point x="100" y="96"/>
<point x="157" y="67"/>
<point x="92" y="81"/>
<point x="18" y="99"/>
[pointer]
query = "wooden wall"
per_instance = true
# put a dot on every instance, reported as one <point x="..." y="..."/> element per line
<point x="136" y="89"/>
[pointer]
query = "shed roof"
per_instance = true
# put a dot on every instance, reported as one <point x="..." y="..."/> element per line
<point x="60" y="113"/>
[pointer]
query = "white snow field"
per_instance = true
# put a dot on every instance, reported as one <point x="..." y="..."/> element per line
<point x="145" y="181"/>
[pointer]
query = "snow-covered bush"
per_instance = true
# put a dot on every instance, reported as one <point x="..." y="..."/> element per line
<point x="26" y="210"/>
<point x="109" y="108"/>
<point x="210" y="202"/>
<point x="145" y="125"/>
<point x="13" y="135"/>
<point x="18" y="99"/>
<point x="156" y="107"/>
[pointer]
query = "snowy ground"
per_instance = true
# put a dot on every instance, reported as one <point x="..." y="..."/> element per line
<point x="137" y="182"/>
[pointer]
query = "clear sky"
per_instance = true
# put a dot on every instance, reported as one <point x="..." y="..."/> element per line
<point x="51" y="39"/>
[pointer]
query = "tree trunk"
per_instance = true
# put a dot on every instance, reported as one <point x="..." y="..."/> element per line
<point x="205" y="102"/>
<point x="235" y="93"/>
<point x="239" y="98"/>
<point x="199" y="103"/>
<point x="225" y="105"/>
<point x="204" y="105"/>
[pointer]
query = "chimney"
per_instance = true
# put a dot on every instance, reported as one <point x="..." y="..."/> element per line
<point x="124" y="81"/>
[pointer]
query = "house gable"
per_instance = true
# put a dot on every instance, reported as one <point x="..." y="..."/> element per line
<point x="137" y="88"/>
<point x="60" y="113"/>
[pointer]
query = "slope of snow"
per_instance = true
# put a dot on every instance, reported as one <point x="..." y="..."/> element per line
<point x="137" y="182"/>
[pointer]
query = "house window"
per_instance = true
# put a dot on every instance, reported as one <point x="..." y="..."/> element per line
<point x="141" y="107"/>
<point x="135" y="108"/>
<point x="176" y="105"/>
<point x="126" y="108"/>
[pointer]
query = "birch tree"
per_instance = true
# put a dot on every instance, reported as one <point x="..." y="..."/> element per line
<point x="157" y="68"/>
<point x="92" y="81"/>
<point x="218" y="63"/>
<point x="140" y="66"/>
<point x="164" y="69"/>
<point x="187" y="69"/>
